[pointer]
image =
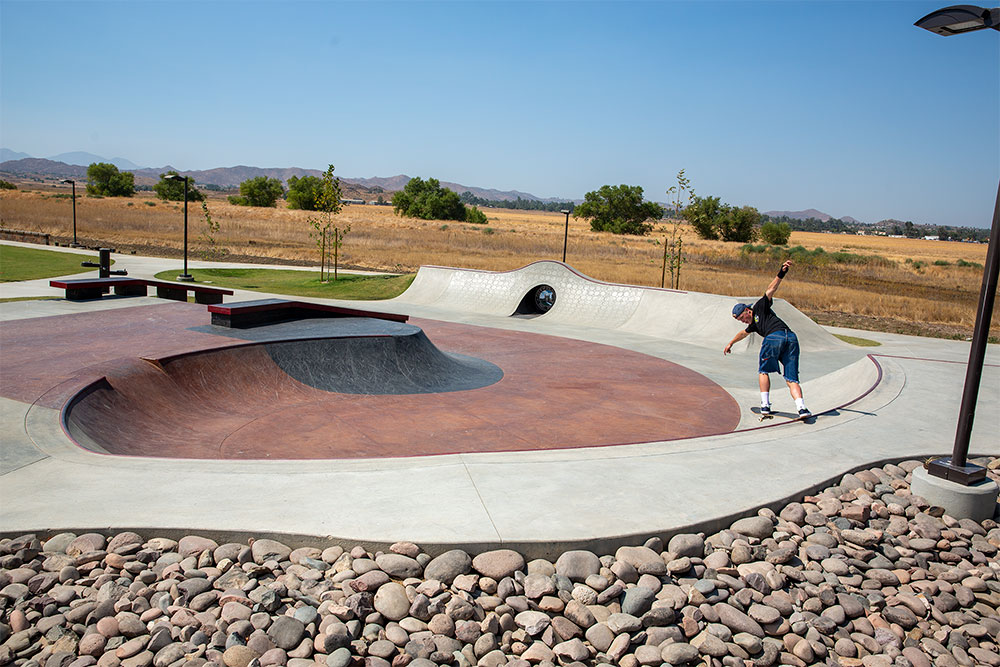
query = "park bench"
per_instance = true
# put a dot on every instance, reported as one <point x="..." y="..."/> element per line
<point x="245" y="314"/>
<point x="179" y="291"/>
<point x="94" y="288"/>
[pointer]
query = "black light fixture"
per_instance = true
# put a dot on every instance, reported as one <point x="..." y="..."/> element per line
<point x="73" y="183"/>
<point x="953" y="21"/>
<point x="958" y="19"/>
<point x="187" y="277"/>
<point x="565" y="234"/>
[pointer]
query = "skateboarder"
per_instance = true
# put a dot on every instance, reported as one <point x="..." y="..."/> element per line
<point x="779" y="345"/>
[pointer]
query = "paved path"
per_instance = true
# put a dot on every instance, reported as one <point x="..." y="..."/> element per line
<point x="539" y="501"/>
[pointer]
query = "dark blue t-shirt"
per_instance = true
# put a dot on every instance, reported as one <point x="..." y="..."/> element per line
<point x="764" y="321"/>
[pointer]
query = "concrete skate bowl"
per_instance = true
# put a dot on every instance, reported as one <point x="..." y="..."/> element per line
<point x="555" y="292"/>
<point x="244" y="394"/>
<point x="391" y="396"/>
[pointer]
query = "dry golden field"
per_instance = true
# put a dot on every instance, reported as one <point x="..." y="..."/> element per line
<point x="897" y="288"/>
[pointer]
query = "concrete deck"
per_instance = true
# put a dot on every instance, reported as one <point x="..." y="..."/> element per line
<point x="899" y="400"/>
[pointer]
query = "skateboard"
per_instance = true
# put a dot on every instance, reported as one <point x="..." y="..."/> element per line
<point x="792" y="417"/>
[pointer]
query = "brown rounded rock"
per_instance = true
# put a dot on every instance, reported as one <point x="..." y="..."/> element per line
<point x="238" y="656"/>
<point x="498" y="563"/>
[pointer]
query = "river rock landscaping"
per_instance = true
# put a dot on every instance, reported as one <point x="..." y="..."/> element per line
<point x="861" y="573"/>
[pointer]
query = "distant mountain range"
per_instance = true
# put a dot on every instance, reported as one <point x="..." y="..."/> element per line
<point x="74" y="165"/>
<point x="75" y="158"/>
<point x="810" y="213"/>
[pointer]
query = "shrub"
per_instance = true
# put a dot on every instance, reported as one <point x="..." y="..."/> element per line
<point x="776" y="233"/>
<point x="7" y="185"/>
<point x="941" y="262"/>
<point x="964" y="263"/>
<point x="475" y="216"/>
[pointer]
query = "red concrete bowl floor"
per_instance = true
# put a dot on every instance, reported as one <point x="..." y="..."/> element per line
<point x="555" y="393"/>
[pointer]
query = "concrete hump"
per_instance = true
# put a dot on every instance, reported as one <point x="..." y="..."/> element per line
<point x="687" y="317"/>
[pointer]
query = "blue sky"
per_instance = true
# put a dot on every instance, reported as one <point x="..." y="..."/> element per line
<point x="841" y="106"/>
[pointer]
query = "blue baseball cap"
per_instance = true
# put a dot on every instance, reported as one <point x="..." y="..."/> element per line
<point x="739" y="308"/>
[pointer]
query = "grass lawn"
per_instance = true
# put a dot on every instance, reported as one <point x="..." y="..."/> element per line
<point x="301" y="283"/>
<point x="860" y="342"/>
<point x="17" y="263"/>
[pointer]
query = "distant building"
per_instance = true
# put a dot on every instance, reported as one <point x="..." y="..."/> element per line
<point x="932" y="238"/>
<point x="352" y="201"/>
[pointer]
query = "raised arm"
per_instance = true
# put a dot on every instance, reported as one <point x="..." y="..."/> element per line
<point x="773" y="287"/>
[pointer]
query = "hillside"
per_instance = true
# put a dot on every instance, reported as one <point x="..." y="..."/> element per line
<point x="231" y="177"/>
<point x="810" y="213"/>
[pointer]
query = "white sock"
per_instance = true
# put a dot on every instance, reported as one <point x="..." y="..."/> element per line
<point x="800" y="403"/>
<point x="765" y="398"/>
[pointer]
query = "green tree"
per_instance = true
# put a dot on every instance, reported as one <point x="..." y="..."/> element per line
<point x="673" y="253"/>
<point x="213" y="251"/>
<point x="260" y="191"/>
<point x="303" y="192"/>
<point x="619" y="209"/>
<point x="704" y="214"/>
<point x="173" y="190"/>
<point x="739" y="224"/>
<point x="428" y="200"/>
<point x="776" y="233"/>
<point x="328" y="237"/>
<point x="104" y="179"/>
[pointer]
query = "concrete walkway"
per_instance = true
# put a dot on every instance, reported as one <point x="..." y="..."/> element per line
<point x="540" y="502"/>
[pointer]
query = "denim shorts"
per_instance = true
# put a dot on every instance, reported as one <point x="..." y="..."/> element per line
<point x="780" y="346"/>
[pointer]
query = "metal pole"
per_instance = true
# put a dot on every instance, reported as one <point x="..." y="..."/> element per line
<point x="74" y="214"/>
<point x="186" y="275"/>
<point x="565" y="236"/>
<point x="957" y="468"/>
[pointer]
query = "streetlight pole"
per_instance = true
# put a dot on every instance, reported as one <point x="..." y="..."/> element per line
<point x="949" y="21"/>
<point x="565" y="234"/>
<point x="73" y="183"/>
<point x="187" y="277"/>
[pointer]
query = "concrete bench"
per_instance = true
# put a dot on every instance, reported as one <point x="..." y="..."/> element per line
<point x="245" y="314"/>
<point x="179" y="291"/>
<point x="94" y="288"/>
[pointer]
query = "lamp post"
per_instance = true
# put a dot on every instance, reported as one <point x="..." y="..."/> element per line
<point x="73" y="183"/>
<point x="187" y="277"/>
<point x="949" y="21"/>
<point x="565" y="234"/>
